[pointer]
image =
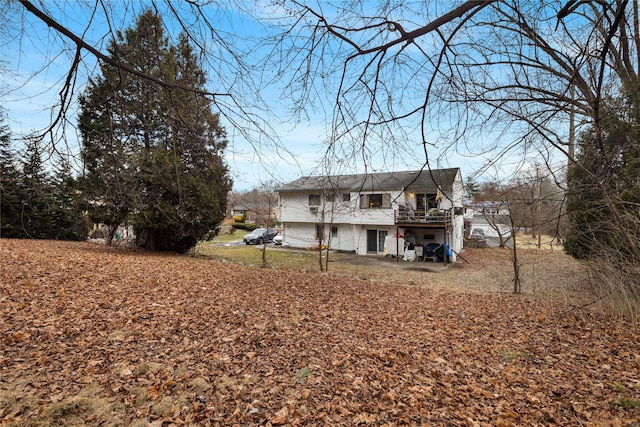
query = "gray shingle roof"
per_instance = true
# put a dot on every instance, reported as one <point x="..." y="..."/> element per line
<point x="427" y="180"/>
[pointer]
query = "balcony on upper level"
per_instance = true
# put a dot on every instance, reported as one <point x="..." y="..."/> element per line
<point x="432" y="217"/>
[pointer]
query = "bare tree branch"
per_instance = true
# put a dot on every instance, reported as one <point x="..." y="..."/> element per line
<point x="84" y="45"/>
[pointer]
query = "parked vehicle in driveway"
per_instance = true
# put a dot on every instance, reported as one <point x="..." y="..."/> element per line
<point x="477" y="233"/>
<point x="278" y="240"/>
<point x="260" y="236"/>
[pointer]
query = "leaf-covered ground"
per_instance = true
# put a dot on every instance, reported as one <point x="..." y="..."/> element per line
<point x="98" y="336"/>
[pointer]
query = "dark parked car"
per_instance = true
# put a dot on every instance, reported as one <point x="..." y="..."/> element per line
<point x="260" y="236"/>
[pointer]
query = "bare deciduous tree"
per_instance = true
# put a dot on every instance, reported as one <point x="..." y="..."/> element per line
<point x="432" y="73"/>
<point x="264" y="204"/>
<point x="76" y="38"/>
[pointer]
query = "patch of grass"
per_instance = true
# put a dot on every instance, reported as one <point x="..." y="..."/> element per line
<point x="303" y="373"/>
<point x="252" y="255"/>
<point x="508" y="356"/>
<point x="229" y="237"/>
<point x="71" y="411"/>
<point x="296" y="317"/>
<point x="87" y="407"/>
<point x="627" y="403"/>
<point x="527" y="241"/>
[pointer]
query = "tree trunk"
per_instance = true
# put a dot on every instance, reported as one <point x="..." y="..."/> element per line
<point x="517" y="286"/>
<point x="264" y="255"/>
<point x="111" y="233"/>
<point x="152" y="237"/>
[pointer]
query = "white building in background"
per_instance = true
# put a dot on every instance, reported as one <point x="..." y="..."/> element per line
<point x="359" y="213"/>
<point x="492" y="217"/>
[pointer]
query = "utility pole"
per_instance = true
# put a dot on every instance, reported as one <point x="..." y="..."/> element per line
<point x="539" y="182"/>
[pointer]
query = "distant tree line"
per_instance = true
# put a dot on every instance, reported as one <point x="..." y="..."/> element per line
<point x="152" y="157"/>
<point x="35" y="201"/>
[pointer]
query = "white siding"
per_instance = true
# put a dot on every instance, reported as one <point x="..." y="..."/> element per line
<point x="300" y="235"/>
<point x="360" y="237"/>
<point x="294" y="207"/>
<point x="300" y="220"/>
<point x="458" y="191"/>
<point x="344" y="240"/>
<point x="457" y="236"/>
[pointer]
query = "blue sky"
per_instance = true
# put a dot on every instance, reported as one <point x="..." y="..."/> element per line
<point x="35" y="61"/>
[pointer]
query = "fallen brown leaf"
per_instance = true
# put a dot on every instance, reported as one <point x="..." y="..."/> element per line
<point x="112" y="336"/>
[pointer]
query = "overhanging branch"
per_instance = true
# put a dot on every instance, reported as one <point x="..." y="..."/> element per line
<point x="80" y="43"/>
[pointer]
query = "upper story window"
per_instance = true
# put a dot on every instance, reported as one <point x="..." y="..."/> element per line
<point x="346" y="197"/>
<point x="331" y="197"/>
<point x="426" y="201"/>
<point x="314" y="200"/>
<point x="379" y="200"/>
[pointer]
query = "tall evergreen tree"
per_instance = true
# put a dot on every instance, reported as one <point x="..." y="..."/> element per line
<point x="153" y="156"/>
<point x="32" y="203"/>
<point x="35" y="183"/>
<point x="471" y="188"/>
<point x="69" y="222"/>
<point x="607" y="169"/>
<point x="10" y="196"/>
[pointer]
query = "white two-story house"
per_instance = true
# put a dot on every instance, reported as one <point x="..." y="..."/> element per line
<point x="363" y="213"/>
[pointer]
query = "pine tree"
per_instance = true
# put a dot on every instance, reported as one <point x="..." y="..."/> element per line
<point x="36" y="218"/>
<point x="153" y="156"/>
<point x="107" y="181"/>
<point x="69" y="222"/>
<point x="471" y="188"/>
<point x="607" y="169"/>
<point x="10" y="195"/>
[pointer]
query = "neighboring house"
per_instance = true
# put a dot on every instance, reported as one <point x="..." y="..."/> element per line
<point x="250" y="215"/>
<point x="365" y="213"/>
<point x="486" y="207"/>
<point x="239" y="210"/>
<point x="258" y="213"/>
<point x="492" y="217"/>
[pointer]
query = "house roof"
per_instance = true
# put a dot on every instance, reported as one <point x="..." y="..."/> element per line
<point x="426" y="180"/>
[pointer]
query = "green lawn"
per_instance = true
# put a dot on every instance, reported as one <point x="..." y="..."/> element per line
<point x="237" y="235"/>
